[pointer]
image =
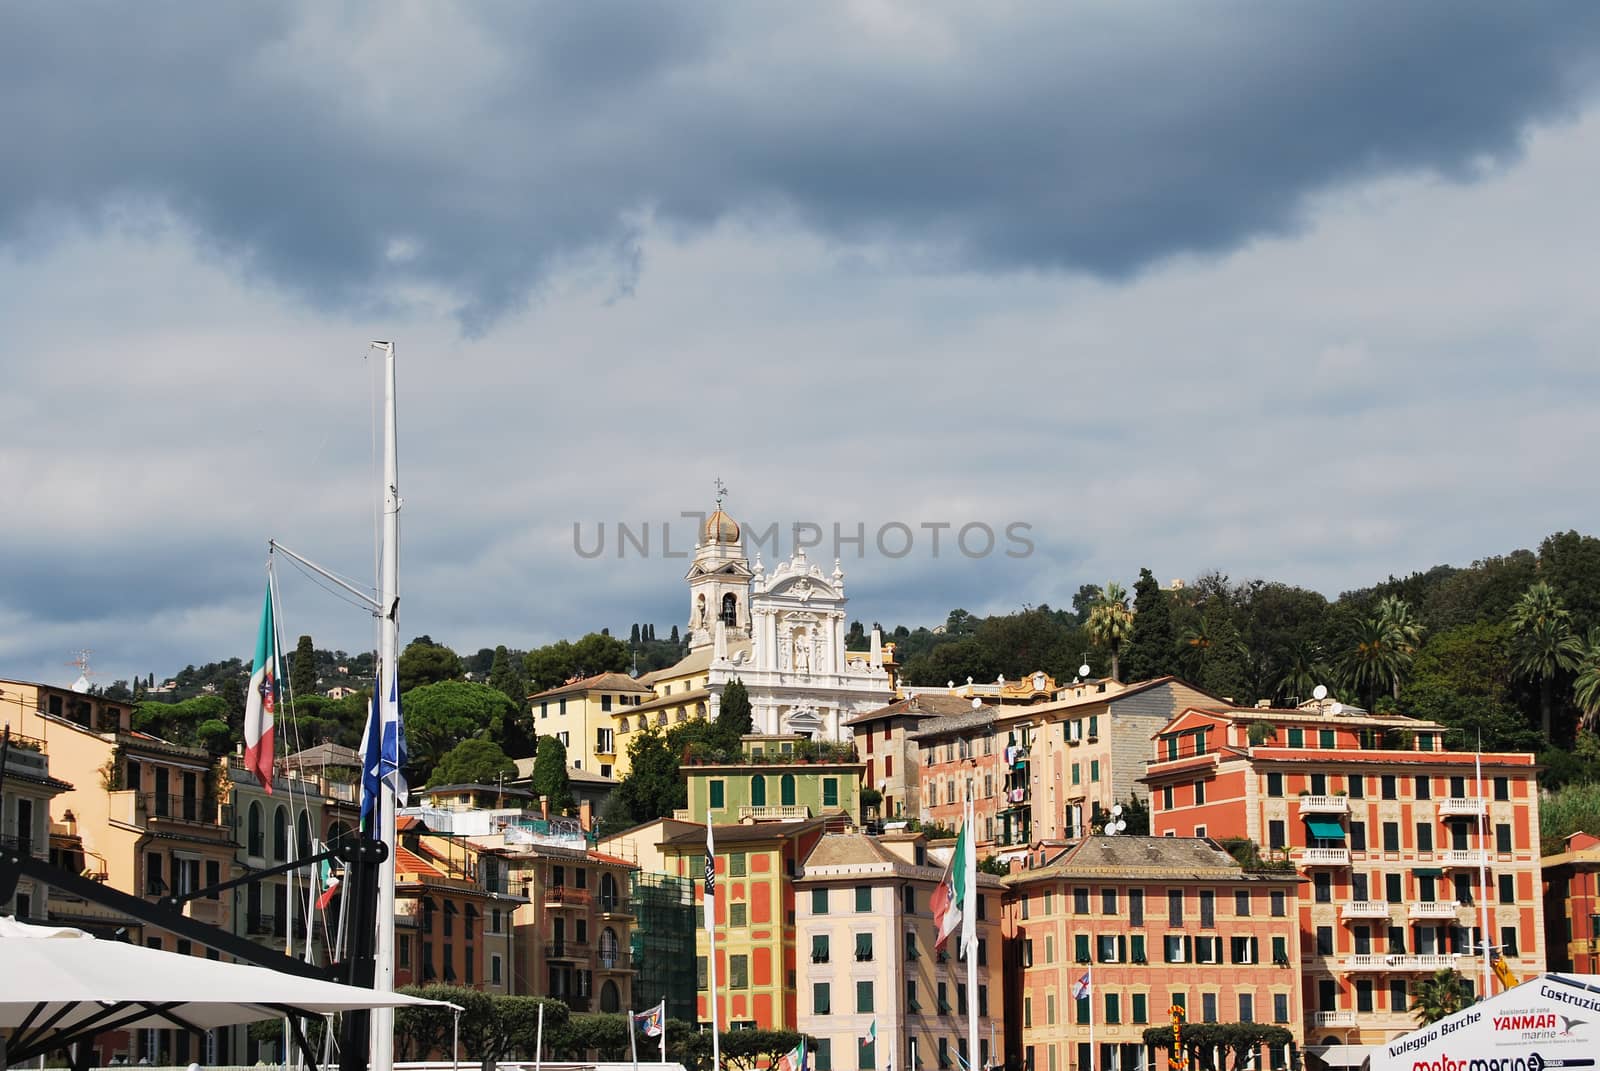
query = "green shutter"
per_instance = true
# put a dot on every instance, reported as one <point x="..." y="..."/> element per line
<point x="1080" y="947"/>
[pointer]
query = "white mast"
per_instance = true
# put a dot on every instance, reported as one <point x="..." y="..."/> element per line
<point x="1483" y="871"/>
<point x="969" y="926"/>
<point x="382" y="1051"/>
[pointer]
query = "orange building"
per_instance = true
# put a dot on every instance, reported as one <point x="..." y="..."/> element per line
<point x="1386" y="825"/>
<point x="1150" y="923"/>
<point x="1572" y="906"/>
<point x="756" y="865"/>
<point x="443" y="920"/>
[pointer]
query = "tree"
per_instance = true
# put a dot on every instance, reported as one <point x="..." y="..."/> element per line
<point x="1586" y="689"/>
<point x="1443" y="993"/>
<point x="1303" y="670"/>
<point x="303" y="668"/>
<point x="1543" y="645"/>
<point x="652" y="788"/>
<point x="1150" y="650"/>
<point x="473" y="762"/>
<point x="554" y="664"/>
<point x="856" y="638"/>
<point x="550" y="776"/>
<point x="1406" y="630"/>
<point x="672" y="639"/>
<point x="424" y="662"/>
<point x="633" y="639"/>
<point x="1374" y="656"/>
<point x="1110" y="624"/>
<point x="505" y="674"/>
<point x="1083" y="602"/>
<point x="733" y="716"/>
<point x="960" y="623"/>
<point x="439" y="716"/>
<point x="214" y="735"/>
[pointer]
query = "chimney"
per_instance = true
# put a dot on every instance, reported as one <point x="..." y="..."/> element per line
<point x="544" y="808"/>
<point x="585" y="815"/>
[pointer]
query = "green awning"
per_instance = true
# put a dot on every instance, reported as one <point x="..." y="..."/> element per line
<point x="1427" y="872"/>
<point x="1325" y="830"/>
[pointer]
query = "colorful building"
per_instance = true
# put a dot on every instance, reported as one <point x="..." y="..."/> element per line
<point x="448" y="930"/>
<point x="886" y="740"/>
<point x="756" y="864"/>
<point x="866" y="934"/>
<point x="1390" y="830"/>
<point x="582" y="715"/>
<point x="25" y="818"/>
<point x="782" y="777"/>
<point x="1147" y="924"/>
<point x="1572" y="906"/>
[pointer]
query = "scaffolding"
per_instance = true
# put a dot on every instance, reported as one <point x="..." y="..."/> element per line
<point x="663" y="944"/>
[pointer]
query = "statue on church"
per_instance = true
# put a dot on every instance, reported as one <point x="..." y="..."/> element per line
<point x="700" y="613"/>
<point x="802" y="657"/>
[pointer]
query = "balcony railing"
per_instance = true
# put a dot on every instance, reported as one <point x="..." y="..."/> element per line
<point x="1335" y="1018"/>
<point x="168" y="807"/>
<point x="1398" y="961"/>
<point x="1458" y="858"/>
<point x="1324" y="805"/>
<point x="1365" y="909"/>
<point x="1433" y="909"/>
<point x="565" y="950"/>
<point x="615" y="962"/>
<point x="1469" y="806"/>
<point x="612" y="905"/>
<point x="1325" y="856"/>
<point x="566" y="896"/>
<point x="778" y="813"/>
<point x="23" y="845"/>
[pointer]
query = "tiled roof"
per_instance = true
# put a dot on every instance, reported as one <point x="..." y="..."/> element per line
<point x="745" y="833"/>
<point x="660" y="701"/>
<point x="600" y="682"/>
<point x="973" y="718"/>
<point x="1178" y="858"/>
<point x="932" y="705"/>
<point x="324" y="754"/>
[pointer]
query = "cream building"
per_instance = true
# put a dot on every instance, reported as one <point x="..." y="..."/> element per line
<point x="583" y="715"/>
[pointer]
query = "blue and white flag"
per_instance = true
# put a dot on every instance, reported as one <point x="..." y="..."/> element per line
<point x="383" y="752"/>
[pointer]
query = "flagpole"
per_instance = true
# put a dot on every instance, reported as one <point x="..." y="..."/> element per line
<point x="633" y="1040"/>
<point x="711" y="936"/>
<point x="969" y="936"/>
<point x="382" y="1051"/>
<point x="1483" y="871"/>
<point x="1089" y="996"/>
<point x="538" y="1041"/>
<point x="663" y="1029"/>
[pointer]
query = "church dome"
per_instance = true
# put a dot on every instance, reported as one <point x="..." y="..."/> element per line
<point x="721" y="528"/>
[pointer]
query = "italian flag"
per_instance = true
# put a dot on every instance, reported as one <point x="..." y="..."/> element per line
<point x="261" y="700"/>
<point x="327" y="883"/>
<point x="950" y="895"/>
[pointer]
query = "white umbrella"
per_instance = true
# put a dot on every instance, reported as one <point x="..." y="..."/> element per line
<point x="58" y="986"/>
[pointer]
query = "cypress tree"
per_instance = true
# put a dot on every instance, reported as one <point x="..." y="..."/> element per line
<point x="1153" y="650"/>
<point x="550" y="774"/>
<point x="303" y="669"/>
<point x="634" y="639"/>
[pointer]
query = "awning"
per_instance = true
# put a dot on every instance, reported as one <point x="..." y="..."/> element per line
<point x="1342" y="1055"/>
<point x="1325" y="830"/>
<point x="1427" y="872"/>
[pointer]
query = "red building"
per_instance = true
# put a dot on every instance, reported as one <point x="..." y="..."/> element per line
<point x="1572" y="906"/>
<point x="1389" y="827"/>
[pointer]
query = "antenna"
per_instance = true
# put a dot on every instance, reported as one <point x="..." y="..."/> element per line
<point x="81" y="661"/>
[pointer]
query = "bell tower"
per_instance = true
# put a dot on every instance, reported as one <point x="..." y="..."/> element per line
<point x="719" y="580"/>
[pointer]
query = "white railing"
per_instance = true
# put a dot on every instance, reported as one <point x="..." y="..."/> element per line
<point x="1470" y="805"/>
<point x="1324" y="805"/>
<point x="775" y="813"/>
<point x="1335" y="1018"/>
<point x="1325" y="856"/>
<point x="1399" y="962"/>
<point x="1458" y="858"/>
<point x="1433" y="909"/>
<point x="1365" y="909"/>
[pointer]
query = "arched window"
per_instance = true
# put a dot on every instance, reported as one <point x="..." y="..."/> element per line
<point x="730" y="609"/>
<point x="786" y="787"/>
<point x="339" y="832"/>
<point x="255" y="836"/>
<point x="608" y="949"/>
<point x="758" y="791"/>
<point x="280" y="834"/>
<point x="610" y="1000"/>
<point x="303" y="841"/>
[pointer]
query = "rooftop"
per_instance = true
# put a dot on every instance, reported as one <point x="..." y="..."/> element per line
<point x="599" y="682"/>
<point x="1170" y="858"/>
<point x="924" y="704"/>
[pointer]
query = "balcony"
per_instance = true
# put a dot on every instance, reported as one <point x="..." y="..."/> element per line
<point x="1462" y="807"/>
<point x="169" y="808"/>
<point x="613" y="907"/>
<point x="781" y="813"/>
<point x="617" y="961"/>
<point x="1365" y="909"/>
<point x="1334" y="1018"/>
<point x="1397" y="961"/>
<point x="1434" y="909"/>
<point x="1458" y="859"/>
<point x="1324" y="805"/>
<point x="1324" y="857"/>
<point x="565" y="950"/>
<point x="566" y="896"/>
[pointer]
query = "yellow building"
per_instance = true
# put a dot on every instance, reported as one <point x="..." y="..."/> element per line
<point x="581" y="714"/>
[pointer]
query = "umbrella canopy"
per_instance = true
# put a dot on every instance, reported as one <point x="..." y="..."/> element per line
<point x="61" y="985"/>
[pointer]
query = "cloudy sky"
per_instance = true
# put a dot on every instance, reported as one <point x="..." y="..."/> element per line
<point x="1295" y="291"/>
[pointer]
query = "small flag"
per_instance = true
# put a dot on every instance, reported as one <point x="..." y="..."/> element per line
<point x="711" y="880"/>
<point x="652" y="1022"/>
<point x="794" y="1059"/>
<point x="950" y="895"/>
<point x="872" y="1034"/>
<point x="327" y="882"/>
<point x="1081" y="990"/>
<point x="383" y="749"/>
<point x="261" y="699"/>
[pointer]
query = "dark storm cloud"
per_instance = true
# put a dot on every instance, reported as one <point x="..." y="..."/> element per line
<point x="344" y="158"/>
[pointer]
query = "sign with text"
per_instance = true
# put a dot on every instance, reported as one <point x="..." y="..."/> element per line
<point x="1552" y="1021"/>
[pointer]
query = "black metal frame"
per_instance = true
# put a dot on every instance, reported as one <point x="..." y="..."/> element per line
<point x="361" y="857"/>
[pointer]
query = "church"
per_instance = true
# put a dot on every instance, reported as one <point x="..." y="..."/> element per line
<point x="781" y="633"/>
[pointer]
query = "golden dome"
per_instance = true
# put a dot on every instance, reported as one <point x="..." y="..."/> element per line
<point x="721" y="528"/>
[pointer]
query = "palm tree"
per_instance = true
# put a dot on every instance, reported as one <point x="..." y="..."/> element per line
<point x="1193" y="646"/>
<point x="1302" y="668"/>
<point x="1543" y="643"/>
<point x="1110" y="624"/>
<point x="1445" y="993"/>
<point x="1374" y="656"/>
<point x="1406" y="631"/>
<point x="1586" y="689"/>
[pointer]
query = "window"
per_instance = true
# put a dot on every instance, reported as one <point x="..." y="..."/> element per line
<point x="1136" y="907"/>
<point x="1508" y="941"/>
<point x="1424" y="837"/>
<point x="1138" y="949"/>
<point x="863" y="948"/>
<point x="1199" y="793"/>
<point x="1280" y="951"/>
<point x="911" y="946"/>
<point x="1324" y="940"/>
<point x="819" y="948"/>
<point x="1278" y="909"/>
<point x="736" y="865"/>
<point x="1358" y="836"/>
<point x="1111" y="947"/>
<point x="1080" y="901"/>
<point x="819" y="901"/>
<point x="1502" y="838"/>
<point x="1502" y="788"/>
<point x="700" y="972"/>
<point x="983" y="1000"/>
<point x="1108" y="901"/>
<point x="1241" y="904"/>
<point x="718" y="798"/>
<point x="1166" y="798"/>
<point x="1297" y="738"/>
<point x="1077" y="773"/>
<point x="1243" y="949"/>
<point x="1389" y="787"/>
<point x="1094" y="770"/>
<point x="758" y="791"/>
<point x="1358" y="786"/>
<point x="822" y="1049"/>
<point x="739" y="972"/>
<point x="1208" y="1007"/>
<point x="1424" y="788"/>
<point x="1280" y="1007"/>
<point x="1047" y="903"/>
<point x="1399" y="997"/>
<point x="1175" y="907"/>
<point x="1363" y="994"/>
<point x="1175" y="948"/>
<point x="786" y="790"/>
<point x="821" y="1003"/>
<point x="830" y="791"/>
<point x="1208" y="950"/>
<point x="1080" y="947"/>
<point x="1508" y="888"/>
<point x="1208" y="909"/>
<point x="1392" y="888"/>
<point x="737" y="914"/>
<point x="863" y="898"/>
<point x="863" y="997"/>
<point x="494" y="970"/>
<point x="1277" y="834"/>
<point x="1275" y="785"/>
<point x="1391" y="836"/>
<point x="1322" y="887"/>
<point x="908" y="899"/>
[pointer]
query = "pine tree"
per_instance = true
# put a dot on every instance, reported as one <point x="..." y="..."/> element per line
<point x="505" y="675"/>
<point x="633" y="641"/>
<point x="652" y="633"/>
<point x="303" y="670"/>
<point x="1152" y="653"/>
<point x="550" y="774"/>
<point x="733" y="716"/>
<point x="674" y="639"/>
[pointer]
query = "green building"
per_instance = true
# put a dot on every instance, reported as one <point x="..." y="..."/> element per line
<point x="780" y="777"/>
